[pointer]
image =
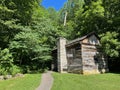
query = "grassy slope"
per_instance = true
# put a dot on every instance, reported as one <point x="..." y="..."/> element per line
<point x="29" y="82"/>
<point x="90" y="82"/>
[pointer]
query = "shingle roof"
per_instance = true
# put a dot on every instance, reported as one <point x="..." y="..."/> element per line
<point x="80" y="39"/>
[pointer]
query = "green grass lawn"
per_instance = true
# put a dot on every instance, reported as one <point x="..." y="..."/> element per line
<point x="107" y="81"/>
<point x="29" y="82"/>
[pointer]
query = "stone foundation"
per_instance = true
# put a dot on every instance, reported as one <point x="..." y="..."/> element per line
<point x="87" y="72"/>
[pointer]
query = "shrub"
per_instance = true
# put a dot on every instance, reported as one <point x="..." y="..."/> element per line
<point x="15" y="70"/>
<point x="6" y="62"/>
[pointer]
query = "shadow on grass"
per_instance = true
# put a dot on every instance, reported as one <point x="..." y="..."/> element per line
<point x="37" y="71"/>
<point x="114" y="72"/>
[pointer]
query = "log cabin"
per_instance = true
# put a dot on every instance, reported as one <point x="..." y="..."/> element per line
<point x="82" y="55"/>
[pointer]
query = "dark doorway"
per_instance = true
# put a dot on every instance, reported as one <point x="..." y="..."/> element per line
<point x="114" y="65"/>
<point x="54" y="63"/>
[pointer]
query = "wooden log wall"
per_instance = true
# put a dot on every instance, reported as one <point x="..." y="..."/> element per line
<point x="93" y="60"/>
<point x="74" y="59"/>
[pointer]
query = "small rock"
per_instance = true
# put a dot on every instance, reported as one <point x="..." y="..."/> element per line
<point x="1" y="77"/>
<point x="19" y="75"/>
<point x="8" y="77"/>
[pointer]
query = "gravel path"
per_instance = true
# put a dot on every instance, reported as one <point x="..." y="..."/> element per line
<point x="46" y="82"/>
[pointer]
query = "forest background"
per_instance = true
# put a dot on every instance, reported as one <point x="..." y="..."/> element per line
<point x="28" y="31"/>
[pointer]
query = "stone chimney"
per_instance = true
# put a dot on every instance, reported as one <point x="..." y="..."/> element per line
<point x="61" y="55"/>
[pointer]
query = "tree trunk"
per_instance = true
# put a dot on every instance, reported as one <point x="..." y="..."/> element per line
<point x="65" y="18"/>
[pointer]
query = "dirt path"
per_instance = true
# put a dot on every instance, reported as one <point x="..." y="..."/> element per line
<point x="46" y="81"/>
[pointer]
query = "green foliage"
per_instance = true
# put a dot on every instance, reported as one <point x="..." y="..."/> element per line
<point x="6" y="62"/>
<point x="16" y="70"/>
<point x="26" y="35"/>
<point x="28" y="47"/>
<point x="46" y="29"/>
<point x="111" y="44"/>
<point x="53" y="16"/>
<point x="13" y="15"/>
<point x="67" y="31"/>
<point x="24" y="10"/>
<point x="90" y="18"/>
